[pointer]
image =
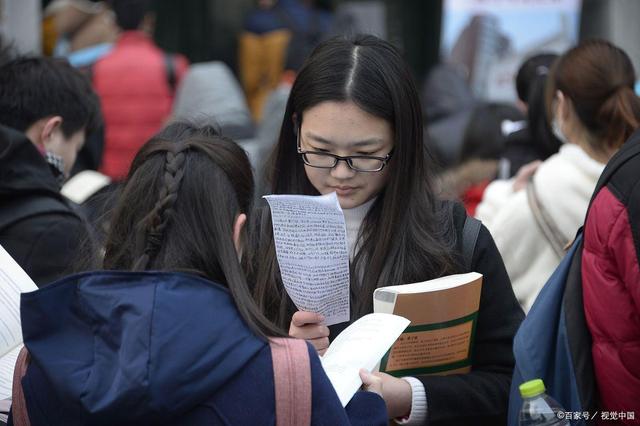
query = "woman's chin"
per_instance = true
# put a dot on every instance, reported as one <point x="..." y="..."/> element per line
<point x="348" y="202"/>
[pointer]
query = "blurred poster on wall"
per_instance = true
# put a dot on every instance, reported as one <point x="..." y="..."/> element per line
<point x="489" y="39"/>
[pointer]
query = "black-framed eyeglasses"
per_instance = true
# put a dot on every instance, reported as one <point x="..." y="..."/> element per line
<point x="359" y="163"/>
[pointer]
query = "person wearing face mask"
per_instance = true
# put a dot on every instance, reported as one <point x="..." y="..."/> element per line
<point x="46" y="109"/>
<point x="593" y="110"/>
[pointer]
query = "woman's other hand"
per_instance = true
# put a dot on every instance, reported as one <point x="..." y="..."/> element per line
<point x="524" y="174"/>
<point x="370" y="382"/>
<point x="397" y="395"/>
<point x="309" y="326"/>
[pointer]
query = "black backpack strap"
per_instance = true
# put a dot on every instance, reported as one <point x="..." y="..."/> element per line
<point x="470" y="233"/>
<point x="629" y="150"/>
<point x="578" y="335"/>
<point x="23" y="208"/>
<point x="170" y="69"/>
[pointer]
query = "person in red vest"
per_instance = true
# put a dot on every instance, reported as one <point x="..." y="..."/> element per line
<point x="135" y="82"/>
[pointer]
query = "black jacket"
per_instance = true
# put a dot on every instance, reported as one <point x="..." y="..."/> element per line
<point x="479" y="398"/>
<point x="38" y="226"/>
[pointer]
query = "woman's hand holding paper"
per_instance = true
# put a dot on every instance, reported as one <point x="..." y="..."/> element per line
<point x="309" y="326"/>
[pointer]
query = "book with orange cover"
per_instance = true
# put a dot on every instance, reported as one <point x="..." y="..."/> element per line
<point x="443" y="314"/>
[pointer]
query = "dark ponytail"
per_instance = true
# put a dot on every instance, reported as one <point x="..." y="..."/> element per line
<point x="619" y="116"/>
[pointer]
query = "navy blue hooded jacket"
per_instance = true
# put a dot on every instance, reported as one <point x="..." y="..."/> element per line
<point x="147" y="348"/>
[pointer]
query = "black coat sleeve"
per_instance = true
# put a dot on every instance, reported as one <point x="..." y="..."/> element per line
<point x="481" y="396"/>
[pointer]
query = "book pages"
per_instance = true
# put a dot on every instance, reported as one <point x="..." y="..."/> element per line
<point x="311" y="246"/>
<point x="361" y="345"/>
<point x="13" y="281"/>
<point x="7" y="365"/>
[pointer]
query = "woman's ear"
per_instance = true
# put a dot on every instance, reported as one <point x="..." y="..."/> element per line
<point x="237" y="232"/>
<point x="562" y="105"/>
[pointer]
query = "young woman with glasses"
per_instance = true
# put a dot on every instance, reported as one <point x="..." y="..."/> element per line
<point x="353" y="126"/>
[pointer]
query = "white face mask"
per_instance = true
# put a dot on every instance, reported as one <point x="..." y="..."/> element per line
<point x="556" y="128"/>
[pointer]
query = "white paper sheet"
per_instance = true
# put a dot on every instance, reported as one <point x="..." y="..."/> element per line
<point x="361" y="345"/>
<point x="7" y="365"/>
<point x="311" y="246"/>
<point x="13" y="281"/>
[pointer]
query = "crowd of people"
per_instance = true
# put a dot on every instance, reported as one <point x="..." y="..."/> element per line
<point x="160" y="291"/>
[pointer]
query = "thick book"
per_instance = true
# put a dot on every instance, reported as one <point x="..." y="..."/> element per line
<point x="443" y="314"/>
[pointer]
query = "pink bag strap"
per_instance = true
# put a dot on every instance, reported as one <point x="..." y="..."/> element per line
<point x="292" y="379"/>
<point x="18" y="403"/>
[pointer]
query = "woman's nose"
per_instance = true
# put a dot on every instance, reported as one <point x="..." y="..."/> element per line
<point x="342" y="170"/>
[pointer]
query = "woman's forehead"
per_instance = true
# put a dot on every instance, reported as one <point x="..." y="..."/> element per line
<point x="344" y="123"/>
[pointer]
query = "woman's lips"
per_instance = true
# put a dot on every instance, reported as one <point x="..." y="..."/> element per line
<point x="344" y="190"/>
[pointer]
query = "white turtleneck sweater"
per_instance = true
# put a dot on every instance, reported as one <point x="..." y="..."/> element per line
<point x="353" y="219"/>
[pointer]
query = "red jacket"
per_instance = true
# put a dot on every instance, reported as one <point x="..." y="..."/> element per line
<point x="611" y="287"/>
<point x="136" y="97"/>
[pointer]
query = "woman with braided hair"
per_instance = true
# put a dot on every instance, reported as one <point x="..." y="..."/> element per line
<point x="167" y="332"/>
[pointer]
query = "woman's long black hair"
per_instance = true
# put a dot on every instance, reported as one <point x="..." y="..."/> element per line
<point x="407" y="235"/>
<point x="177" y="209"/>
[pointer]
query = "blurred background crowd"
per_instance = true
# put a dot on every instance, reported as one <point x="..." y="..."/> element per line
<point x="467" y="55"/>
<point x="522" y="109"/>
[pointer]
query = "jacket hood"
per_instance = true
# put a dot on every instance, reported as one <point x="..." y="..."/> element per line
<point x="135" y="347"/>
<point x="22" y="167"/>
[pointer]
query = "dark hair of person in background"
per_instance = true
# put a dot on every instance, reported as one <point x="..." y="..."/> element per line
<point x="177" y="208"/>
<point x="530" y="70"/>
<point x="61" y="90"/>
<point x="598" y="79"/>
<point x="483" y="137"/>
<point x="536" y="141"/>
<point x="544" y="141"/>
<point x="407" y="235"/>
<point x="130" y="13"/>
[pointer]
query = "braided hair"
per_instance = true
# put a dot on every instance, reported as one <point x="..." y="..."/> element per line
<point x="184" y="193"/>
<point x="153" y="225"/>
